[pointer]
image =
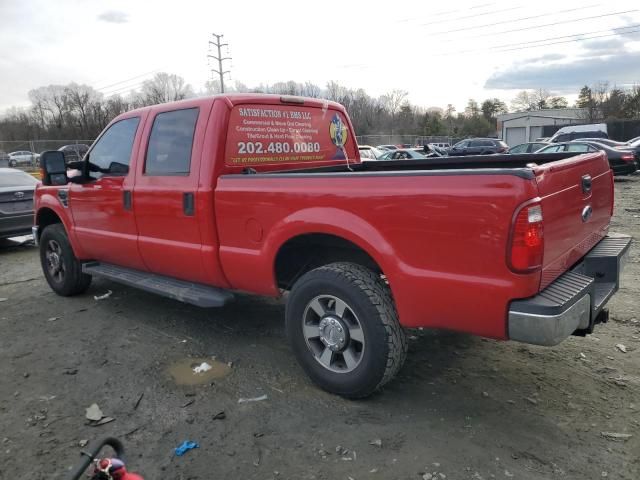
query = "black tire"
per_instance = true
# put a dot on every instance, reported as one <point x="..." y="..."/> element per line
<point x="12" y="163"/>
<point x="368" y="298"/>
<point x="60" y="266"/>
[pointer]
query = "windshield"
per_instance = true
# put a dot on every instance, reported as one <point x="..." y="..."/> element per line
<point x="16" y="179"/>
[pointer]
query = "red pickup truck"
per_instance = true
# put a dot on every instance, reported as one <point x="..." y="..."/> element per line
<point x="267" y="194"/>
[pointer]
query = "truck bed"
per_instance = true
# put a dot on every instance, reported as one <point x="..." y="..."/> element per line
<point x="439" y="228"/>
<point x="510" y="164"/>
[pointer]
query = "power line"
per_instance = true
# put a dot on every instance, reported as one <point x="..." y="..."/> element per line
<point x="439" y="14"/>
<point x="540" y="43"/>
<point x="575" y="40"/>
<point x="106" y="87"/>
<point x="218" y="44"/>
<point x="474" y="15"/>
<point x="551" y="24"/>
<point x="134" y="86"/>
<point x="521" y="19"/>
<point x="533" y="43"/>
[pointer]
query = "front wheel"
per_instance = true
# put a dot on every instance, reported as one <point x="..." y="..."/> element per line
<point x="344" y="330"/>
<point x="61" y="268"/>
<point x="12" y="163"/>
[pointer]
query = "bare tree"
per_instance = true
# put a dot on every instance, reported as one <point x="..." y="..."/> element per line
<point x="165" y="87"/>
<point x="392" y="102"/>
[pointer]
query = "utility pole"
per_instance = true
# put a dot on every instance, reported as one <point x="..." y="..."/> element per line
<point x="218" y="44"/>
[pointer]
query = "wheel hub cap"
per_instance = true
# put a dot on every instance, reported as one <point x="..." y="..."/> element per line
<point x="54" y="261"/>
<point x="333" y="333"/>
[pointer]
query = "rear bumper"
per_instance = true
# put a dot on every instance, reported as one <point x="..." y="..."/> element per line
<point x="624" y="168"/>
<point x="574" y="300"/>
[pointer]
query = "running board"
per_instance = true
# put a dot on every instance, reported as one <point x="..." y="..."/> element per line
<point x="187" y="292"/>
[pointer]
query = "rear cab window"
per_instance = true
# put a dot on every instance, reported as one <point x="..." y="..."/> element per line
<point x="288" y="136"/>
<point x="171" y="142"/>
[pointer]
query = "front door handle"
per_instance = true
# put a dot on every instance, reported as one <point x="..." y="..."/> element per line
<point x="188" y="204"/>
<point x="126" y="199"/>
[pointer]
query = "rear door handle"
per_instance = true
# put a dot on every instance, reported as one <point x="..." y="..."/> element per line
<point x="126" y="199"/>
<point x="188" y="204"/>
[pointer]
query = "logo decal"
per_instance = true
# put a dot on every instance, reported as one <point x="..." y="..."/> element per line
<point x="19" y="195"/>
<point x="338" y="132"/>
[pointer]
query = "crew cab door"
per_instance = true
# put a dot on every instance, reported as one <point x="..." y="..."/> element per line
<point x="166" y="191"/>
<point x="103" y="219"/>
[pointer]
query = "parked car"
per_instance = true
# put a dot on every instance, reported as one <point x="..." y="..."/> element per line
<point x="604" y="141"/>
<point x="368" y="152"/>
<point x="478" y="244"/>
<point x="529" y="147"/>
<point x="622" y="162"/>
<point x="479" y="146"/>
<point x="23" y="157"/>
<point x="431" y="150"/>
<point x="573" y="132"/>
<point x="444" y="145"/>
<point x="74" y="152"/>
<point x="16" y="202"/>
<point x="402" y="154"/>
<point x="385" y="148"/>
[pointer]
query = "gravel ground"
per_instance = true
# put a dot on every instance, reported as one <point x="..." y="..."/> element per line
<point x="461" y="408"/>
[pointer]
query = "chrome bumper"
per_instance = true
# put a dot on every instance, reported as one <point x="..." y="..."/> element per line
<point x="573" y="301"/>
<point x="35" y="231"/>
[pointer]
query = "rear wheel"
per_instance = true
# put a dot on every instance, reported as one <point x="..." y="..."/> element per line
<point x="61" y="268"/>
<point x="344" y="329"/>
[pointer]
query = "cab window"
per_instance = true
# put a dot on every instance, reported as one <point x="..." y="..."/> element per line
<point x="111" y="154"/>
<point x="170" y="143"/>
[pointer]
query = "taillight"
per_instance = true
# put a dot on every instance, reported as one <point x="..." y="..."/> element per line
<point x="527" y="239"/>
<point x="627" y="157"/>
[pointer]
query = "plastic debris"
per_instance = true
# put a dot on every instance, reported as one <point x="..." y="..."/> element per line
<point x="219" y="416"/>
<point x="52" y="319"/>
<point x="94" y="413"/>
<point x="203" y="367"/>
<point x="103" y="297"/>
<point x="83" y="443"/>
<point x="102" y="421"/>
<point x="184" y="447"/>
<point x="376" y="443"/>
<point x="3" y="299"/>
<point x="616" y="437"/>
<point x="254" y="399"/>
<point x="621" y="347"/>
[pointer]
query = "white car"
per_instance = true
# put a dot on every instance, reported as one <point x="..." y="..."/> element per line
<point x="23" y="157"/>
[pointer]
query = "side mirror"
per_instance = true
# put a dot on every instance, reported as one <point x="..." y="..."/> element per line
<point x="54" y="167"/>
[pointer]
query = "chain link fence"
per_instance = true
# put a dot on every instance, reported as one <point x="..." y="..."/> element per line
<point x="412" y="140"/>
<point x="24" y="154"/>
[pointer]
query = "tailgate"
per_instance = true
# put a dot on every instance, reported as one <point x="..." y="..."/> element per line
<point x="577" y="200"/>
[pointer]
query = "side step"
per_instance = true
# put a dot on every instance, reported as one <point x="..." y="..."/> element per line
<point x="187" y="292"/>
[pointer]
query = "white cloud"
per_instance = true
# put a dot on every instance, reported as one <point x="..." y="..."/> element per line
<point x="114" y="16"/>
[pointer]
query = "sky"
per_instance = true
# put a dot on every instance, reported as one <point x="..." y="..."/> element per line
<point x="439" y="52"/>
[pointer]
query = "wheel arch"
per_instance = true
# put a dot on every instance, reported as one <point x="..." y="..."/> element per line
<point x="304" y="252"/>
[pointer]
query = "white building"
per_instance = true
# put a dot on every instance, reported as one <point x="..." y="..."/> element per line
<point x="521" y="127"/>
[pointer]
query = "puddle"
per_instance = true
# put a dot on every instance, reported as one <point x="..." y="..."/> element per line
<point x="183" y="374"/>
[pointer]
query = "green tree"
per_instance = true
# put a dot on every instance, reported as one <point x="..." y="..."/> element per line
<point x="493" y="107"/>
<point x="557" y="102"/>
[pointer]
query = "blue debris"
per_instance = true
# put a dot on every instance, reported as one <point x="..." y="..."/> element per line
<point x="184" y="447"/>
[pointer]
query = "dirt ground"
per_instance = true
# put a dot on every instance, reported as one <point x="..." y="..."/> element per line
<point x="461" y="408"/>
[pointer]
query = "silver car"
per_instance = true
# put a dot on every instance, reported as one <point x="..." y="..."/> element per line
<point x="23" y="157"/>
<point x="16" y="202"/>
